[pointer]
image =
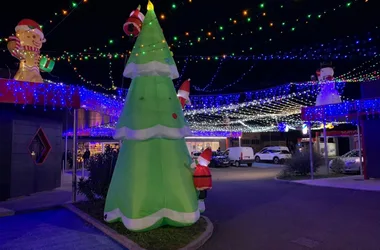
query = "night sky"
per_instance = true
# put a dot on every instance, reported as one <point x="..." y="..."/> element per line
<point x="94" y="23"/>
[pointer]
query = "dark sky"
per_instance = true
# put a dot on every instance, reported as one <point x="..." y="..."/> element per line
<point x="94" y="23"/>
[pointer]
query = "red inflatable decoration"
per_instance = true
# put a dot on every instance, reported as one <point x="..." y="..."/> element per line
<point x="202" y="174"/>
<point x="183" y="93"/>
<point x="132" y="26"/>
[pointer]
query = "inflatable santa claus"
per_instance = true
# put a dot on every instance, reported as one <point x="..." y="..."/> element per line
<point x="184" y="93"/>
<point x="202" y="177"/>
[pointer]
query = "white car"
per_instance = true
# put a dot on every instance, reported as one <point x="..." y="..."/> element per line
<point x="351" y="161"/>
<point x="277" y="154"/>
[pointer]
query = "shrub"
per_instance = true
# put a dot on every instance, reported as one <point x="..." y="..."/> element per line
<point x="100" y="169"/>
<point x="299" y="164"/>
<point x="337" y="166"/>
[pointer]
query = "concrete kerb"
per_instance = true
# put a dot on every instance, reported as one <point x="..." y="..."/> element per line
<point x="289" y="181"/>
<point x="6" y="212"/>
<point x="203" y="238"/>
<point x="124" y="241"/>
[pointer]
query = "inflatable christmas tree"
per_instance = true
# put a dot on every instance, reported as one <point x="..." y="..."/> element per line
<point x="152" y="184"/>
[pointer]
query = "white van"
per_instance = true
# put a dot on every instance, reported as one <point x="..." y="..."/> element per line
<point x="240" y="155"/>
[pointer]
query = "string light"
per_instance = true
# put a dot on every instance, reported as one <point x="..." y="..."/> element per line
<point x="227" y="85"/>
<point x="179" y="80"/>
<point x="213" y="77"/>
<point x="337" y="49"/>
<point x="254" y="115"/>
<point x="201" y="35"/>
<point x="344" y="111"/>
<point x="361" y="69"/>
<point x="64" y="13"/>
<point x="86" y="81"/>
<point x="108" y="130"/>
<point x="110" y="75"/>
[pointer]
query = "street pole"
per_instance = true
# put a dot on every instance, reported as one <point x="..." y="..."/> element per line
<point x="360" y="146"/>
<point x="311" y="153"/>
<point x="66" y="146"/>
<point x="75" y="156"/>
<point x="326" y="149"/>
<point x="65" y="163"/>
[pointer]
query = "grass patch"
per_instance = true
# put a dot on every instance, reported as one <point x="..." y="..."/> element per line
<point x="163" y="238"/>
<point x="307" y="177"/>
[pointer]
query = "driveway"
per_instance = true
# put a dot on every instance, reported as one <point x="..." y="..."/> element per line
<point x="251" y="211"/>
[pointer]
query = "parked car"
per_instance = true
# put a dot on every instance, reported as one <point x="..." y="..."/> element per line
<point x="240" y="155"/>
<point x="351" y="161"/>
<point x="219" y="160"/>
<point x="277" y="154"/>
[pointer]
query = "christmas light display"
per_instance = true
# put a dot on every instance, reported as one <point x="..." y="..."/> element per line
<point x="108" y="130"/>
<point x="350" y="46"/>
<point x="57" y="17"/>
<point x="110" y="76"/>
<point x="184" y="66"/>
<point x="213" y="77"/>
<point x="246" y="16"/>
<point x="346" y="111"/>
<point x="367" y="71"/>
<point x="52" y="96"/>
<point x="239" y="79"/>
<point x="220" y="30"/>
<point x="203" y="105"/>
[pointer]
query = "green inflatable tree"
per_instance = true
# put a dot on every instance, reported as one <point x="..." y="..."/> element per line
<point x="152" y="184"/>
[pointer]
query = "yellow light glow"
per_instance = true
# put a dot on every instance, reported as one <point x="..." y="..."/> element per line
<point x="162" y="16"/>
<point x="150" y="6"/>
<point x="245" y="13"/>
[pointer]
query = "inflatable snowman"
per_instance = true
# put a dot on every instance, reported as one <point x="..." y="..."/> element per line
<point x="328" y="94"/>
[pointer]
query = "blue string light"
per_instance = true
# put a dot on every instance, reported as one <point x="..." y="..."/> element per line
<point x="179" y="80"/>
<point x="58" y="95"/>
<point x="213" y="77"/>
<point x="228" y="85"/>
<point x="347" y="111"/>
<point x="109" y="131"/>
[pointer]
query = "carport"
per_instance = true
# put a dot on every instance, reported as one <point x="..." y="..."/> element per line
<point x="365" y="114"/>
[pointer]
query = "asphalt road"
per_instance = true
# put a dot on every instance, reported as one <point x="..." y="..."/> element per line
<point x="252" y="211"/>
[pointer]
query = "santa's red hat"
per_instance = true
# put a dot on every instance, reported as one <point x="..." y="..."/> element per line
<point x="28" y="24"/>
<point x="184" y="90"/>
<point x="138" y="14"/>
<point x="205" y="157"/>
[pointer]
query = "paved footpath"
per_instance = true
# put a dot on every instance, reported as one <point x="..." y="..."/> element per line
<point x="57" y="229"/>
